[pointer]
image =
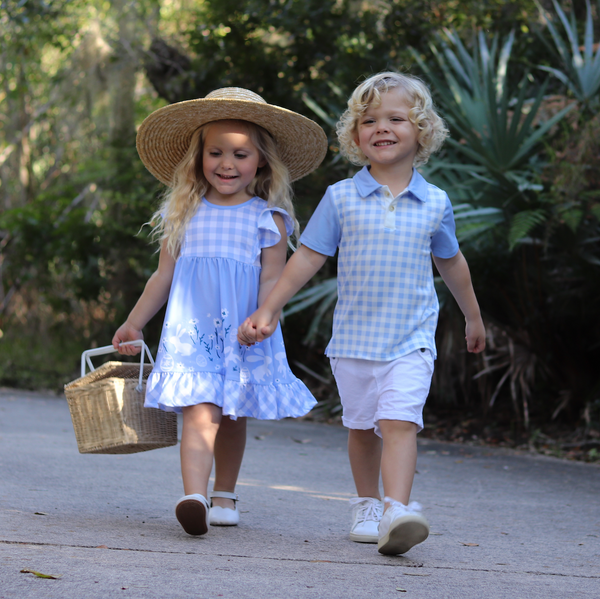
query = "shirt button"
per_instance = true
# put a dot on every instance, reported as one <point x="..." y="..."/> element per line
<point x="392" y="208"/>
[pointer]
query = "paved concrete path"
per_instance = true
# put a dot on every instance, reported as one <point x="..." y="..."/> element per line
<point x="503" y="525"/>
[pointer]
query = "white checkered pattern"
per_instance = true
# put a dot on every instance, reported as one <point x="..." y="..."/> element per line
<point x="231" y="231"/>
<point x="387" y="306"/>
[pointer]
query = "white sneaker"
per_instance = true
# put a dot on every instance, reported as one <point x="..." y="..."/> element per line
<point x="366" y="514"/>
<point x="401" y="527"/>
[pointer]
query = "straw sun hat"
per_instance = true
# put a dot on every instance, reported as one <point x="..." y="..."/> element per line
<point x="164" y="137"/>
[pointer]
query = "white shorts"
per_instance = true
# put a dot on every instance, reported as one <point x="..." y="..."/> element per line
<point x="371" y="391"/>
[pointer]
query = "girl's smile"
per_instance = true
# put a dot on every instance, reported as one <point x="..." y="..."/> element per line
<point x="229" y="162"/>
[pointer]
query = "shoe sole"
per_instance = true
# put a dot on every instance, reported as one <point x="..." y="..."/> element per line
<point x="363" y="538"/>
<point x="404" y="533"/>
<point x="191" y="514"/>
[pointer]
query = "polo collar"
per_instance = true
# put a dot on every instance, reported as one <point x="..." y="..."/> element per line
<point x="366" y="184"/>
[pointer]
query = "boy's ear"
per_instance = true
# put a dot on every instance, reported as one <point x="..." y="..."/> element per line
<point x="262" y="162"/>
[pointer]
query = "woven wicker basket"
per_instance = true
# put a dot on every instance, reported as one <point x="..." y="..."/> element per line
<point x="108" y="414"/>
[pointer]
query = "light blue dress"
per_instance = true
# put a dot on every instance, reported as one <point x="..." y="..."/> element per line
<point x="215" y="288"/>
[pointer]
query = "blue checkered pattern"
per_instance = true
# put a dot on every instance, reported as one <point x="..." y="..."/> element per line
<point x="222" y="232"/>
<point x="387" y="306"/>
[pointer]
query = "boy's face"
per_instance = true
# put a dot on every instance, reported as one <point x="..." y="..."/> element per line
<point x="385" y="134"/>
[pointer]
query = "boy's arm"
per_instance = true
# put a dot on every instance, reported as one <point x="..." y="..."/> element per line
<point x="154" y="296"/>
<point x="456" y="275"/>
<point x="301" y="267"/>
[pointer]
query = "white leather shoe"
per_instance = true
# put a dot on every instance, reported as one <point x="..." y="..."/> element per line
<point x="224" y="516"/>
<point x="366" y="514"/>
<point x="401" y="527"/>
<point x="192" y="513"/>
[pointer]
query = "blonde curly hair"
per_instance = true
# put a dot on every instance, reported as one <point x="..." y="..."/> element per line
<point x="432" y="129"/>
<point x="180" y="203"/>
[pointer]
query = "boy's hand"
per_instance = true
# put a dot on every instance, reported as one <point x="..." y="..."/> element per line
<point x="257" y="327"/>
<point x="475" y="336"/>
<point x="127" y="332"/>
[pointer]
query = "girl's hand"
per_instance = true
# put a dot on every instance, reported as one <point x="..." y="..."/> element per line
<point x="257" y="327"/>
<point x="127" y="332"/>
<point x="475" y="336"/>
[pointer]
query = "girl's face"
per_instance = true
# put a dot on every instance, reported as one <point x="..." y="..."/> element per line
<point x="229" y="162"/>
<point x="385" y="134"/>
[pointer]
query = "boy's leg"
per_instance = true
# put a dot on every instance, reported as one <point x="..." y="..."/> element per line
<point x="358" y="392"/>
<point x="404" y="385"/>
<point x="364" y="452"/>
<point x="398" y="458"/>
<point x="230" y="444"/>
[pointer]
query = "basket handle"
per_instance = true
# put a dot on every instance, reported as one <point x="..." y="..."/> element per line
<point x="107" y="349"/>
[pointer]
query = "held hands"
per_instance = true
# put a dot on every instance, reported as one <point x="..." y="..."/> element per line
<point x="127" y="332"/>
<point x="475" y="336"/>
<point x="257" y="327"/>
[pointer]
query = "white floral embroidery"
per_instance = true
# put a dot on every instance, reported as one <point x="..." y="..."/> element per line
<point x="201" y="361"/>
<point x="224" y="313"/>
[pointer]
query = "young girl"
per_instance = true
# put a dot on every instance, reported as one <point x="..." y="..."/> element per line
<point x="387" y="222"/>
<point x="228" y="160"/>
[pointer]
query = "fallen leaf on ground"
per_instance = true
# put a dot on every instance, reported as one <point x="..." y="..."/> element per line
<point x="40" y="513"/>
<point x="401" y="590"/>
<point x="301" y="440"/>
<point x="101" y="547"/>
<point x="469" y="544"/>
<point x="39" y="574"/>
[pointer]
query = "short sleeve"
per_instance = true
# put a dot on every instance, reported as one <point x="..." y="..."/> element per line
<point x="268" y="232"/>
<point x="323" y="231"/>
<point x="444" y="243"/>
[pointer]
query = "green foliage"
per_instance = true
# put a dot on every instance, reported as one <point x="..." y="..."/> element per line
<point x="580" y="73"/>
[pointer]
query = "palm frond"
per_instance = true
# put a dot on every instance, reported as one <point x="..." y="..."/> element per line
<point x="580" y="72"/>
<point x="522" y="223"/>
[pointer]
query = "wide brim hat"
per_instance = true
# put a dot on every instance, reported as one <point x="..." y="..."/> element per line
<point x="164" y="137"/>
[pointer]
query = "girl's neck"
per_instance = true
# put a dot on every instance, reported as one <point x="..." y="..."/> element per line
<point x="219" y="199"/>
<point x="397" y="176"/>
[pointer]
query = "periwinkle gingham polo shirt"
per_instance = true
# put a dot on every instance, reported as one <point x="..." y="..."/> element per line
<point x="387" y="305"/>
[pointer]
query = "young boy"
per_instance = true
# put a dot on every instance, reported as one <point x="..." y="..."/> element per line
<point x="387" y="221"/>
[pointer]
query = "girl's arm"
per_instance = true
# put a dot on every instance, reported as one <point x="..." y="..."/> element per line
<point x="272" y="260"/>
<point x="154" y="296"/>
<point x="456" y="275"/>
<point x="301" y="267"/>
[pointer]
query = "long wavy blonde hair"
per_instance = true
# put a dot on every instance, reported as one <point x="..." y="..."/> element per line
<point x="180" y="202"/>
<point x="432" y="129"/>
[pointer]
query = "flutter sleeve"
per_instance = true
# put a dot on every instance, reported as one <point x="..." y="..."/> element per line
<point x="268" y="233"/>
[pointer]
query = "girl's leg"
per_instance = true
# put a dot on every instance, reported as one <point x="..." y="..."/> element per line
<point x="200" y="427"/>
<point x="364" y="451"/>
<point x="398" y="458"/>
<point x="229" y="452"/>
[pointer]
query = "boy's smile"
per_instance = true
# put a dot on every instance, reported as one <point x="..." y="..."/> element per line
<point x="229" y="162"/>
<point x="386" y="135"/>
